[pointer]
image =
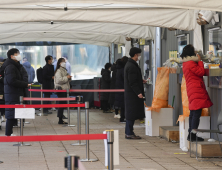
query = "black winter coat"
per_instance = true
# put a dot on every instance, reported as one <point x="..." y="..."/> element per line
<point x="113" y="84"/>
<point x="105" y="84"/>
<point x="48" y="73"/>
<point x="119" y="97"/>
<point x="13" y="85"/>
<point x="133" y="85"/>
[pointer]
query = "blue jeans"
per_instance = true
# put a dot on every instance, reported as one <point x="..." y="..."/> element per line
<point x="129" y="127"/>
<point x="194" y="119"/>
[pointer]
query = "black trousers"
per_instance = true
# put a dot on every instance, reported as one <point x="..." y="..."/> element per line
<point x="46" y="95"/>
<point x="129" y="127"/>
<point x="2" y="110"/>
<point x="194" y="119"/>
<point x="9" y="126"/>
<point x="105" y="105"/>
<point x="122" y="111"/>
<point x="60" y="110"/>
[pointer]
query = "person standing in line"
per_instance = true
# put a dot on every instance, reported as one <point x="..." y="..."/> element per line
<point x="13" y="86"/>
<point x="48" y="80"/>
<point x="29" y="69"/>
<point x="105" y="84"/>
<point x="134" y="92"/>
<point x="119" y="97"/>
<point x="2" y="96"/>
<point x="193" y="69"/>
<point x="112" y="86"/>
<point x="61" y="80"/>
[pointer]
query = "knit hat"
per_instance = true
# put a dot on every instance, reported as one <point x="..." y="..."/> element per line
<point x="134" y="51"/>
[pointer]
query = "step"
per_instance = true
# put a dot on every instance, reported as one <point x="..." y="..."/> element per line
<point x="170" y="133"/>
<point x="206" y="149"/>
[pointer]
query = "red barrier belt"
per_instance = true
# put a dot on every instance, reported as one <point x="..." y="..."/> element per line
<point x="80" y="90"/>
<point x="42" y="105"/>
<point x="49" y="99"/>
<point x="39" y="90"/>
<point x="97" y="90"/>
<point x="46" y="138"/>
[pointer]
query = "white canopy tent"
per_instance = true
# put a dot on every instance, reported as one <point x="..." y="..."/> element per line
<point x="213" y="5"/>
<point x="88" y="32"/>
<point x="158" y="17"/>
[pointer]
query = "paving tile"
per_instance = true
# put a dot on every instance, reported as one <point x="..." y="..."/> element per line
<point x="150" y="153"/>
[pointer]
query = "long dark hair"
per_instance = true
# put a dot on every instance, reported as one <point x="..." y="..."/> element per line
<point x="58" y="63"/>
<point x="188" y="51"/>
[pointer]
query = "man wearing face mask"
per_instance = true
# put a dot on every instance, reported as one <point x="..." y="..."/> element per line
<point x="134" y="92"/>
<point x="48" y="80"/>
<point x="14" y="86"/>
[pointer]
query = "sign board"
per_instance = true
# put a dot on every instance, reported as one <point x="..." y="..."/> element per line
<point x="24" y="113"/>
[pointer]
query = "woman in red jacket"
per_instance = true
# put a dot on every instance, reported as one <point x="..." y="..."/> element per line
<point x="198" y="97"/>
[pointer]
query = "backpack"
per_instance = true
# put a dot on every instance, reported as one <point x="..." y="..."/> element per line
<point x="39" y="73"/>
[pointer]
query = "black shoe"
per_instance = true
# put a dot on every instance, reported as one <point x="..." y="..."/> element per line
<point x="49" y="113"/>
<point x="132" y="137"/>
<point x="193" y="138"/>
<point x="63" y="117"/>
<point x="62" y="122"/>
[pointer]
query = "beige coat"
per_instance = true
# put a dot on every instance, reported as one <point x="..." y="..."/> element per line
<point x="61" y="79"/>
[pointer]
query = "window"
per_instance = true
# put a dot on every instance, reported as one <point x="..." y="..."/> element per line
<point x="86" y="61"/>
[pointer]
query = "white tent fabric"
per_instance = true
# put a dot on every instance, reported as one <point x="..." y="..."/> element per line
<point x="133" y="31"/>
<point x="213" y="5"/>
<point x="175" y="18"/>
<point x="72" y="37"/>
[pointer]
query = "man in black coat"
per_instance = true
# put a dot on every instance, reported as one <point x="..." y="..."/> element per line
<point x="48" y="79"/>
<point x="14" y="86"/>
<point x="105" y="84"/>
<point x="134" y="92"/>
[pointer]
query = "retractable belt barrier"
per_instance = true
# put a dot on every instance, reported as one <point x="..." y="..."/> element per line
<point x="47" y="138"/>
<point x="80" y="90"/>
<point x="42" y="106"/>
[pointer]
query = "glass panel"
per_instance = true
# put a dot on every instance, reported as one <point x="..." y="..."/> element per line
<point x="86" y="61"/>
<point x="215" y="41"/>
<point x="146" y="61"/>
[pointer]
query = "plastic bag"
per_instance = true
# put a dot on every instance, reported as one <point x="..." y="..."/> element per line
<point x="185" y="102"/>
<point x="160" y="99"/>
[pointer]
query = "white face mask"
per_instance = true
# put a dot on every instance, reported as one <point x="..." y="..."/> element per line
<point x="18" y="57"/>
<point x="139" y="58"/>
<point x="63" y="64"/>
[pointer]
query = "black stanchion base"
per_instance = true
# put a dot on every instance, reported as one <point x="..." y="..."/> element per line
<point x="88" y="160"/>
<point x="22" y="144"/>
<point x="1" y="162"/>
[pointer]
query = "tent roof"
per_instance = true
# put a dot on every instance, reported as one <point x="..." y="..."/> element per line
<point x="176" y="18"/>
<point x="213" y="5"/>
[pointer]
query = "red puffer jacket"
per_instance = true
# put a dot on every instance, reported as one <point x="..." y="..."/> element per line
<point x="196" y="90"/>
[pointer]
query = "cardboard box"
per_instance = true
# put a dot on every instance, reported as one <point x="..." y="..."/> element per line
<point x="154" y="120"/>
<point x="184" y="126"/>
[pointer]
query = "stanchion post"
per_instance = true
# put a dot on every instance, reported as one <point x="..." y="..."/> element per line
<point x="79" y="122"/>
<point x="21" y="127"/>
<point x="72" y="162"/>
<point x="87" y="132"/>
<point x="68" y="113"/>
<point x="110" y="140"/>
<point x="30" y="102"/>
<point x="42" y="114"/>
